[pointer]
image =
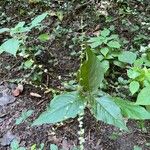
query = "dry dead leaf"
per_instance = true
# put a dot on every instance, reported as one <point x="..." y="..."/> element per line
<point x="18" y="90"/>
<point x="15" y="92"/>
<point x="20" y="87"/>
<point x="35" y="94"/>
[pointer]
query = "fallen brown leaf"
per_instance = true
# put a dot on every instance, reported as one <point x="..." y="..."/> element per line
<point x="18" y="90"/>
<point x="35" y="94"/>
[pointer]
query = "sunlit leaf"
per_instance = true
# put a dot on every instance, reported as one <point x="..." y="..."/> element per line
<point x="143" y="97"/>
<point x="96" y="41"/>
<point x="104" y="51"/>
<point x="53" y="147"/>
<point x="4" y="30"/>
<point x="28" y="64"/>
<point x="10" y="46"/>
<point x="127" y="57"/>
<point x="132" y="111"/>
<point x="105" y="32"/>
<point x="24" y="116"/>
<point x="132" y="74"/>
<point x="134" y="87"/>
<point x="61" y="108"/>
<point x="114" y="44"/>
<point x="37" y="20"/>
<point x="44" y="37"/>
<point x="91" y="72"/>
<point x="106" y="110"/>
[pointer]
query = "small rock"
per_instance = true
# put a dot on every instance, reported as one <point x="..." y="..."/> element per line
<point x="7" y="138"/>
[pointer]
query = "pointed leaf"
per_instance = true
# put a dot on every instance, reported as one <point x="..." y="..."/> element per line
<point x="105" y="32"/>
<point x="37" y="20"/>
<point x="44" y="37"/>
<point x="20" y="24"/>
<point x="28" y="64"/>
<point x="105" y="64"/>
<point x="106" y="110"/>
<point x="96" y="41"/>
<point x="4" y="30"/>
<point x="61" y="108"/>
<point x="14" y="144"/>
<point x="91" y="72"/>
<point x="10" y="46"/>
<point x="53" y="147"/>
<point x="133" y="74"/>
<point x="134" y="87"/>
<point x="143" y="97"/>
<point x="113" y="37"/>
<point x="114" y="44"/>
<point x="127" y="57"/>
<point x="132" y="111"/>
<point x="24" y="116"/>
<point x="104" y="51"/>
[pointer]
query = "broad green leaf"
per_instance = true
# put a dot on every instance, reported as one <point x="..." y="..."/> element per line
<point x="106" y="110"/>
<point x="112" y="37"/>
<point x="36" y="21"/>
<point x="134" y="87"/>
<point x="10" y="46"/>
<point x="41" y="146"/>
<point x="114" y="44"/>
<point x="96" y="41"/>
<point x="28" y="64"/>
<point x="24" y="116"/>
<point x="21" y="148"/>
<point x="62" y="107"/>
<point x="100" y="57"/>
<point x="53" y="147"/>
<point x="137" y="148"/>
<point x="20" y="24"/>
<point x="127" y="57"/>
<point x="44" y="37"/>
<point x="143" y="97"/>
<point x="14" y="145"/>
<point x="132" y="111"/>
<point x="133" y="74"/>
<point x="104" y="51"/>
<point x="19" y="28"/>
<point x="105" y="65"/>
<point x="4" y="30"/>
<point x="148" y="108"/>
<point x="33" y="147"/>
<point x="138" y="62"/>
<point x="96" y="44"/>
<point x="91" y="72"/>
<point x="60" y="15"/>
<point x="119" y="64"/>
<point x="105" y="32"/>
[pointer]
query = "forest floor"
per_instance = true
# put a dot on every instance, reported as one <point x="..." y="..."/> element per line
<point x="78" y="17"/>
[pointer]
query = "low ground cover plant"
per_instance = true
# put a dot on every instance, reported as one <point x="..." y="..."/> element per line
<point x="100" y="53"/>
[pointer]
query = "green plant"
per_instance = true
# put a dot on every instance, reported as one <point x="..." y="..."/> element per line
<point x="107" y="47"/>
<point x="137" y="148"/>
<point x="15" y="145"/>
<point x="34" y="147"/>
<point x="19" y="35"/>
<point x="17" y="46"/>
<point x="103" y="106"/>
<point x="24" y="116"/>
<point x="53" y="147"/>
